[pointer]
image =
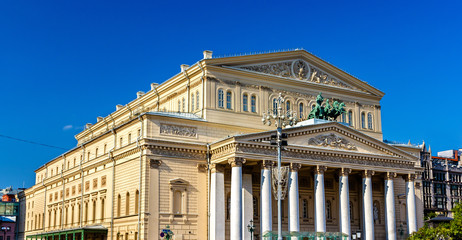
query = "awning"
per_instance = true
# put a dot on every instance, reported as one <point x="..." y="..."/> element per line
<point x="82" y="231"/>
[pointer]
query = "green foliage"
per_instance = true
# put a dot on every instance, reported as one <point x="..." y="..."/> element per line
<point x="446" y="231"/>
<point x="429" y="216"/>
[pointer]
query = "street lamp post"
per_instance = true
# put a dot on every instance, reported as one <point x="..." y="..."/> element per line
<point x="281" y="119"/>
<point x="251" y="228"/>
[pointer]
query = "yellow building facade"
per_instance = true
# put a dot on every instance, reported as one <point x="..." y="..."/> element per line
<point x="170" y="157"/>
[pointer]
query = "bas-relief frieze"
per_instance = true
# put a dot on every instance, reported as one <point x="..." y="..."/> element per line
<point x="176" y="152"/>
<point x="177" y="130"/>
<point x="300" y="70"/>
<point x="293" y="153"/>
<point x="331" y="140"/>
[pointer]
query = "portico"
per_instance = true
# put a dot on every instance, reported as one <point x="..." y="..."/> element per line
<point x="340" y="180"/>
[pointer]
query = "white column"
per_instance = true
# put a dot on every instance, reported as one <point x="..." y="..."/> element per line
<point x="217" y="203"/>
<point x="265" y="198"/>
<point x="410" y="204"/>
<point x="344" y="203"/>
<point x="390" y="217"/>
<point x="236" y="226"/>
<point x="320" y="210"/>
<point x="368" y="212"/>
<point x="247" y="204"/>
<point x="294" y="224"/>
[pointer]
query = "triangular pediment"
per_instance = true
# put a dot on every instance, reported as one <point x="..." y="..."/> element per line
<point x="331" y="137"/>
<point x="298" y="65"/>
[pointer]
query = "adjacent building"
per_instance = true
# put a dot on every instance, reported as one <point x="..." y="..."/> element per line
<point x="442" y="181"/>
<point x="9" y="213"/>
<point x="192" y="153"/>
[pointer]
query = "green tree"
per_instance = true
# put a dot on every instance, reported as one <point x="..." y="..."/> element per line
<point x="444" y="231"/>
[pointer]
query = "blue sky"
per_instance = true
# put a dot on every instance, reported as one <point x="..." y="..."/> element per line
<point x="63" y="63"/>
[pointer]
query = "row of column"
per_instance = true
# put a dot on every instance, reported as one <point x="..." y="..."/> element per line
<point x="217" y="204"/>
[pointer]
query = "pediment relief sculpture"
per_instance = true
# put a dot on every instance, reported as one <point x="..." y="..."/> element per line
<point x="297" y="69"/>
<point x="333" y="141"/>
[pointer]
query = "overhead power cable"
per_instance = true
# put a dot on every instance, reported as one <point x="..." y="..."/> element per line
<point x="32" y="142"/>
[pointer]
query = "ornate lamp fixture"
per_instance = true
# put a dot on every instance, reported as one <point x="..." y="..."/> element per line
<point x="281" y="118"/>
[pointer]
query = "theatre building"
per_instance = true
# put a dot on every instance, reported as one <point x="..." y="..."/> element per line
<point x="192" y="153"/>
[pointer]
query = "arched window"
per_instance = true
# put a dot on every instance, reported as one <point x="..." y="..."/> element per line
<point x="376" y="212"/>
<point x="94" y="211"/>
<point x="275" y="106"/>
<point x="137" y="199"/>
<point x="245" y="103"/>
<point x="344" y="118"/>
<point x="228" y="208"/>
<point x="127" y="204"/>
<point x="255" y="206"/>
<point x="177" y="200"/>
<point x="288" y="106"/>
<point x="88" y="158"/>
<point x="121" y="142"/>
<point x="351" y="212"/>
<point x="328" y="210"/>
<point x="105" y="148"/>
<point x="350" y="118"/>
<point x="65" y="216"/>
<point x="369" y="121"/>
<point x="119" y="202"/>
<point x="96" y="152"/>
<point x="78" y="213"/>
<point x="363" y="120"/>
<point x="183" y="106"/>
<point x="102" y="209"/>
<point x="253" y="103"/>
<point x="229" y="98"/>
<point x="220" y="98"/>
<point x="179" y="106"/>
<point x="197" y="100"/>
<point x="192" y="101"/>
<point x="129" y="138"/>
<point x="305" y="208"/>
<point x="85" y="213"/>
<point x="300" y="109"/>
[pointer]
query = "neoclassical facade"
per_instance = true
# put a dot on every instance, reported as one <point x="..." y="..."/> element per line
<point x="192" y="153"/>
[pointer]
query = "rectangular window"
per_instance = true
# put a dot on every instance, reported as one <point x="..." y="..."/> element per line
<point x="197" y="100"/>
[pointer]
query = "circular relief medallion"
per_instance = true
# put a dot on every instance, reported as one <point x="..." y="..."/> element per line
<point x="300" y="69"/>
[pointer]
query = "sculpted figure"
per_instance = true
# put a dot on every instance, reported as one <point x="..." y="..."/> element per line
<point x="328" y="112"/>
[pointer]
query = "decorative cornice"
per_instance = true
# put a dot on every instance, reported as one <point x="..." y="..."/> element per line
<point x="368" y="173"/>
<point x="177" y="152"/>
<point x="236" y="161"/>
<point x="319" y="169"/>
<point x="311" y="154"/>
<point x="344" y="171"/>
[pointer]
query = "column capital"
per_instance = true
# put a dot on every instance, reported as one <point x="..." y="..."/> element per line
<point x="267" y="164"/>
<point x="390" y="175"/>
<point x="217" y="168"/>
<point x="409" y="177"/>
<point x="294" y="167"/>
<point x="344" y="171"/>
<point x="368" y="173"/>
<point x="236" y="161"/>
<point x="319" y="169"/>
